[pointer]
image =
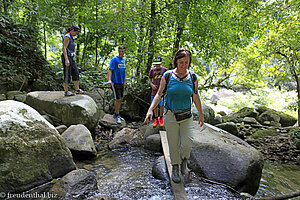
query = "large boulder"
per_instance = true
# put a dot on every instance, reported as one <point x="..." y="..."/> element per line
<point x="208" y="112"/>
<point x="231" y="128"/>
<point x="126" y="138"/>
<point x="222" y="157"/>
<point x="267" y="114"/>
<point x="153" y="143"/>
<point x="76" y="185"/>
<point x="79" y="140"/>
<point x="238" y="116"/>
<point x="31" y="150"/>
<point x="149" y="130"/>
<point x="130" y="107"/>
<point x="79" y="109"/>
<point x="110" y="122"/>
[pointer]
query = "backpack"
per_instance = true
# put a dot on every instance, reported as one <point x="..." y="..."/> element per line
<point x="168" y="75"/>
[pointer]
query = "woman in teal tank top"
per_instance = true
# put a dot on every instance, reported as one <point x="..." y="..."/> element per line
<point x="179" y="98"/>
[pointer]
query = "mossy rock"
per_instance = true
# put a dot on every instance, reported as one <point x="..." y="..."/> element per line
<point x="277" y="116"/>
<point x="79" y="109"/>
<point x="238" y="116"/>
<point x="2" y="97"/>
<point x="265" y="133"/>
<point x="261" y="109"/>
<point x="269" y="116"/>
<point x="295" y="131"/>
<point x="31" y="150"/>
<point x="11" y="94"/>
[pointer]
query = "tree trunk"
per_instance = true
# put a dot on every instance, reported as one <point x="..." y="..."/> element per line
<point x="178" y="36"/>
<point x="78" y="48"/>
<point x="97" y="33"/>
<point x="96" y="50"/>
<point x="84" y="48"/>
<point x="5" y="7"/>
<point x="140" y="39"/>
<point x="181" y="24"/>
<point x="298" y="94"/>
<point x="152" y="35"/>
<point x="45" y="39"/>
<point x="295" y="75"/>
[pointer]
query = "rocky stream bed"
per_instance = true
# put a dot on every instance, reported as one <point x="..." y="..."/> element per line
<point x="280" y="148"/>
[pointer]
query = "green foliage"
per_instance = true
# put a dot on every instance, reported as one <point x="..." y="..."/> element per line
<point x="271" y="98"/>
<point x="249" y="44"/>
<point x="22" y="63"/>
<point x="93" y="79"/>
<point x="295" y="133"/>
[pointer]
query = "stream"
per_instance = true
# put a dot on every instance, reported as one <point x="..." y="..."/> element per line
<point x="127" y="175"/>
<point x="279" y="179"/>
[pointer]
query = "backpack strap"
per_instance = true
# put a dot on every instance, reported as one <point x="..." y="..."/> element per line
<point x="194" y="79"/>
<point x="167" y="77"/>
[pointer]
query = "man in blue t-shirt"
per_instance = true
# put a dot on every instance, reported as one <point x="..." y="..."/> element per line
<point x="116" y="79"/>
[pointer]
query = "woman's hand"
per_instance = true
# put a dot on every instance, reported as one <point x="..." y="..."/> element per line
<point x="148" y="117"/>
<point x="153" y="86"/>
<point x="109" y="83"/>
<point x="67" y="63"/>
<point x="201" y="120"/>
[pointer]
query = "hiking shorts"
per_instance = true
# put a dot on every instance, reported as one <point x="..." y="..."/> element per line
<point x="161" y="103"/>
<point x="70" y="70"/>
<point x="118" y="90"/>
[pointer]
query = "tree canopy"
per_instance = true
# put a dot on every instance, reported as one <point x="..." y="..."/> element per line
<point x="233" y="42"/>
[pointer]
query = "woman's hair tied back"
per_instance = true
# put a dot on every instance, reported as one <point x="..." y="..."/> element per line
<point x="181" y="53"/>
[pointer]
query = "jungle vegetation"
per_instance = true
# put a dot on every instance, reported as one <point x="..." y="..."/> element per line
<point x="235" y="43"/>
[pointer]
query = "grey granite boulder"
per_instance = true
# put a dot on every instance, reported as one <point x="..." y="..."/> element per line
<point x="79" y="109"/>
<point x="222" y="157"/>
<point x="110" y="122"/>
<point x="76" y="185"/>
<point x="31" y="150"/>
<point x="126" y="138"/>
<point x="79" y="140"/>
<point x="153" y="143"/>
<point x="238" y="116"/>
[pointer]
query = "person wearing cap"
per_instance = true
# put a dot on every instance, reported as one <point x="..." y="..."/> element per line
<point x="155" y="76"/>
<point x="68" y="61"/>
<point x="116" y="80"/>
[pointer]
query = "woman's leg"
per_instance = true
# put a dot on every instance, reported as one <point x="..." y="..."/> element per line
<point x="186" y="138"/>
<point x="172" y="128"/>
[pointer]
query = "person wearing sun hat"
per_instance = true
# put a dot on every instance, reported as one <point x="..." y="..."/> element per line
<point x="155" y="76"/>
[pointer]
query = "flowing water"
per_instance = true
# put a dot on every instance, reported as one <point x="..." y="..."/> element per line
<point x="127" y="175"/>
<point x="279" y="179"/>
